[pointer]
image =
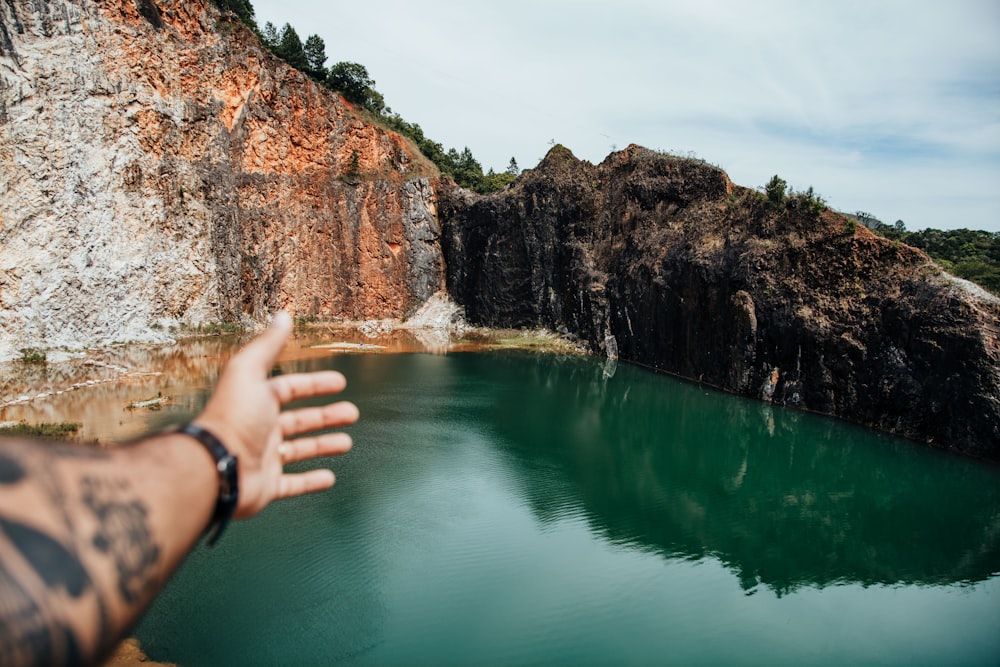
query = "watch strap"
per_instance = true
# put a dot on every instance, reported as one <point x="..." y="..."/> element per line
<point x="227" y="467"/>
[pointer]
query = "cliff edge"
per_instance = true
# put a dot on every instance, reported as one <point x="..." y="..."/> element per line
<point x="160" y="168"/>
<point x="663" y="261"/>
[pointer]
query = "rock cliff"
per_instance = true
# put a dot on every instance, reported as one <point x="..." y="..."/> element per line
<point x="664" y="262"/>
<point x="158" y="167"/>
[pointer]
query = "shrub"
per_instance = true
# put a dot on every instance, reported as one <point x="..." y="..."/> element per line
<point x="775" y="190"/>
<point x="62" y="430"/>
<point x="32" y="355"/>
<point x="808" y="201"/>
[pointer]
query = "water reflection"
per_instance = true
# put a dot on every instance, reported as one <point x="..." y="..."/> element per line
<point x="783" y="498"/>
<point x="527" y="509"/>
<point x="95" y="388"/>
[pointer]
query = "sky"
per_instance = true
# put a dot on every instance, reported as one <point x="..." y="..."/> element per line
<point x="882" y="106"/>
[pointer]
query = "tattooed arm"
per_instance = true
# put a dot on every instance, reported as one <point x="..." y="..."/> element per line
<point x="88" y="536"/>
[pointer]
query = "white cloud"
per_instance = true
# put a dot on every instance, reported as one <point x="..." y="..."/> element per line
<point x="891" y="107"/>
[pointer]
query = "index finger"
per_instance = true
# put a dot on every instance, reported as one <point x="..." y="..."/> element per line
<point x="292" y="387"/>
<point x="259" y="355"/>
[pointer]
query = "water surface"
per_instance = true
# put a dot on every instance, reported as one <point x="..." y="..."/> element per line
<point x="508" y="508"/>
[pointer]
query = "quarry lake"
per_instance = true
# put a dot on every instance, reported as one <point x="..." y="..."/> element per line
<point x="511" y="508"/>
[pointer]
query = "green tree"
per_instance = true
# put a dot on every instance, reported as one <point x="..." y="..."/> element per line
<point x="468" y="171"/>
<point x="512" y="168"/>
<point x="315" y="50"/>
<point x="775" y="190"/>
<point x="968" y="253"/>
<point x="352" y="81"/>
<point x="808" y="201"/>
<point x="290" y="49"/>
<point x="270" y="36"/>
<point x="492" y="181"/>
<point x="242" y="8"/>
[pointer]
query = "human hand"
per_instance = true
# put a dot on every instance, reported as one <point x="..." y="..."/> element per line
<point x="245" y="413"/>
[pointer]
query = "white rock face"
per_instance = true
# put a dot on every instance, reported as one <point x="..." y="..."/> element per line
<point x="158" y="166"/>
<point x="87" y="255"/>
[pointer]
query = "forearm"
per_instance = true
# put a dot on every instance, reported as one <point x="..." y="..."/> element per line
<point x="88" y="536"/>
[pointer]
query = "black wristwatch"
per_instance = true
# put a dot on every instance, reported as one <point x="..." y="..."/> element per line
<point x="229" y="487"/>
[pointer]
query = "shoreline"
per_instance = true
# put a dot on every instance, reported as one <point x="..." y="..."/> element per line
<point x="122" y="392"/>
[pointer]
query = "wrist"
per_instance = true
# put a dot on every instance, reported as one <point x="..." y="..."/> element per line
<point x="227" y="475"/>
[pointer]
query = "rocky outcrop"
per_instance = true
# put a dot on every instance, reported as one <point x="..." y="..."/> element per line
<point x="158" y="167"/>
<point x="663" y="261"/>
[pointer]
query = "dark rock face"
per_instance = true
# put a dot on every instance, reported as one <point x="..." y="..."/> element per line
<point x="663" y="261"/>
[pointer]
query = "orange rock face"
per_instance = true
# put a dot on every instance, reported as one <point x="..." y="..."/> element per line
<point x="174" y="168"/>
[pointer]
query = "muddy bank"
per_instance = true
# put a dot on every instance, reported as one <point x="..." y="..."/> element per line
<point x="122" y="393"/>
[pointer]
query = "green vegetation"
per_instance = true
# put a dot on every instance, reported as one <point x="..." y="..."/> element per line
<point x="352" y="81"/>
<point x="61" y="431"/>
<point x="775" y="191"/>
<point x="778" y="195"/>
<point x="540" y="340"/>
<point x="355" y="85"/>
<point x="32" y="355"/>
<point x="462" y="167"/>
<point x="972" y="254"/>
<point x="212" y="328"/>
<point x="242" y="8"/>
<point x="809" y="201"/>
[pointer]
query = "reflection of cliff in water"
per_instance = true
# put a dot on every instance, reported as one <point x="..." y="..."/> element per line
<point x="94" y="387"/>
<point x="783" y="498"/>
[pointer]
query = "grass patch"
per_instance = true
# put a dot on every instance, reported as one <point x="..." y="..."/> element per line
<point x="212" y="328"/>
<point x="60" y="431"/>
<point x="528" y="340"/>
<point x="534" y="339"/>
<point x="32" y="355"/>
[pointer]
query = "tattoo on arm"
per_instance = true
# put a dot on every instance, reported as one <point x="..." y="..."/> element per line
<point x="27" y="637"/>
<point x="43" y="574"/>
<point x="123" y="534"/>
<point x="29" y="634"/>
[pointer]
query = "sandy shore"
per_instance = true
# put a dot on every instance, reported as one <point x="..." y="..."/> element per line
<point x="130" y="653"/>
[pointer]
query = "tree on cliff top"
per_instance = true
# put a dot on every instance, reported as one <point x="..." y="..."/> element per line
<point x="242" y="8"/>
<point x="290" y="48"/>
<point x="315" y="50"/>
<point x="775" y="190"/>
<point x="352" y="81"/>
<point x="269" y="35"/>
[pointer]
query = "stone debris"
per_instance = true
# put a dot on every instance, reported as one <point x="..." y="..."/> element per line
<point x="438" y="312"/>
<point x="375" y="328"/>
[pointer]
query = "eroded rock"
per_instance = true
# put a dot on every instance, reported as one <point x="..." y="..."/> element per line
<point x="694" y="276"/>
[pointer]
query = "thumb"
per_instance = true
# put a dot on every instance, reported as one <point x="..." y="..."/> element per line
<point x="260" y="354"/>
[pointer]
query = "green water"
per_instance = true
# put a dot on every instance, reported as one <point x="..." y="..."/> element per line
<point x="507" y="508"/>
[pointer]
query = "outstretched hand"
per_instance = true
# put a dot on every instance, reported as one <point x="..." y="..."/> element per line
<point x="245" y="413"/>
